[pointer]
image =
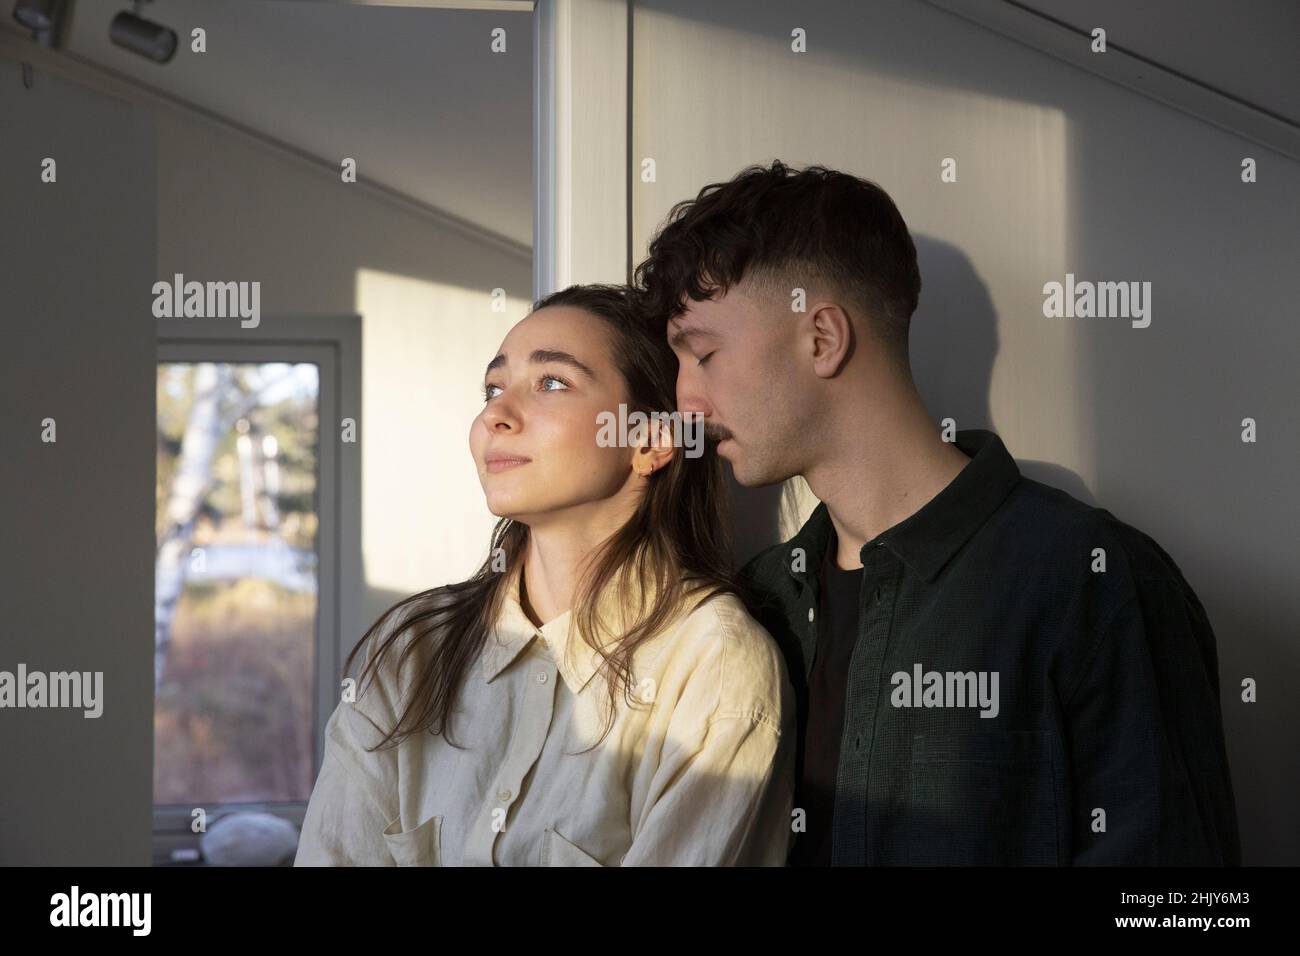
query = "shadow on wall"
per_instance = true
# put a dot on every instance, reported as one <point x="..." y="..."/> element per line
<point x="953" y="345"/>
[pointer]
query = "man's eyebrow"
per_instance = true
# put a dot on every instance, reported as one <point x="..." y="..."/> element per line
<point x="545" y="356"/>
<point x="681" y="337"/>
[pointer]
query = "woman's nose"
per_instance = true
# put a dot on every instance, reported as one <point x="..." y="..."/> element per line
<point x="499" y="416"/>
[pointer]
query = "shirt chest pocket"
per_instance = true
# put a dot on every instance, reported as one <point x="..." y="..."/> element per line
<point x="420" y="846"/>
<point x="557" y="851"/>
<point x="984" y="798"/>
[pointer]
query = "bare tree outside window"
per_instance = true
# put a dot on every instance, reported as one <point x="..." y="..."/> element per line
<point x="237" y="581"/>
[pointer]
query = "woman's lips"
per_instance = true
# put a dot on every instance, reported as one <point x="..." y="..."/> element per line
<point x="502" y="463"/>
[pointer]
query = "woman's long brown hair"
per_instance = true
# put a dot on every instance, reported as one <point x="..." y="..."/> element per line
<point x="675" y="547"/>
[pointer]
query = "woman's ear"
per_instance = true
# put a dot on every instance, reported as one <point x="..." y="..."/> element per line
<point x="654" y="447"/>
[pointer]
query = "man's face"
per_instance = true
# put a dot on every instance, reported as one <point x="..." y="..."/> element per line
<point x="737" y="366"/>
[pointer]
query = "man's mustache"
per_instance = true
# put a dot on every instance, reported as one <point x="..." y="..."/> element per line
<point x="715" y="433"/>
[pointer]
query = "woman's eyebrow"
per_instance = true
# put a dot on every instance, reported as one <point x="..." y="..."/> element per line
<point x="547" y="356"/>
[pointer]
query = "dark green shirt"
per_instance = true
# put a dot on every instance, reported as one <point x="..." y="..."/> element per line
<point x="1032" y="682"/>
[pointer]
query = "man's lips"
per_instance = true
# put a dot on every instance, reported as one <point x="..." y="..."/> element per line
<point x="495" y="463"/>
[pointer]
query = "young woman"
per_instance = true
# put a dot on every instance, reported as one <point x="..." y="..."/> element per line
<point x="596" y="694"/>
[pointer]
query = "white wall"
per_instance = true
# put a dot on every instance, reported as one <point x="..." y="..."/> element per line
<point x="77" y="512"/>
<point x="1058" y="171"/>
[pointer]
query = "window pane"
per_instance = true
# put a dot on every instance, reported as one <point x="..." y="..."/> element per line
<point x="236" y="582"/>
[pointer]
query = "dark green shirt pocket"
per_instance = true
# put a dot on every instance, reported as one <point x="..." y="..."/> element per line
<point x="983" y="798"/>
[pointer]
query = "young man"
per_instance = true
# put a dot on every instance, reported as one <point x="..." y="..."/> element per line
<point x="988" y="671"/>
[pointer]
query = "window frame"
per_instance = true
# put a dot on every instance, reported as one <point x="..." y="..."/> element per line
<point x="333" y="343"/>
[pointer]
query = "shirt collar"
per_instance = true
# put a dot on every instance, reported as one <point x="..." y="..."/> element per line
<point x="927" y="540"/>
<point x="575" y="659"/>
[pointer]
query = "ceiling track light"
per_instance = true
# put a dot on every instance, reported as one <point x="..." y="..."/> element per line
<point x="45" y="18"/>
<point x="133" y="32"/>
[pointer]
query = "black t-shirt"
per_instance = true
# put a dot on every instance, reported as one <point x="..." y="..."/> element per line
<point x="837" y="631"/>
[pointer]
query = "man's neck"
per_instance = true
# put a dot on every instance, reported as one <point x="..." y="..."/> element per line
<point x="875" y="478"/>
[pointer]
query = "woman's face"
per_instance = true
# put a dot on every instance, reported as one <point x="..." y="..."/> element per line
<point x="534" y="443"/>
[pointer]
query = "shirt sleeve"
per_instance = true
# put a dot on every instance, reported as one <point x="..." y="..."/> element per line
<point x="355" y="796"/>
<point x="1146" y="739"/>
<point x="725" y="802"/>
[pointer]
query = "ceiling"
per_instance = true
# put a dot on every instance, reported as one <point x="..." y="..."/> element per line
<point x="1248" y="49"/>
<point x="418" y="98"/>
<point x="415" y="95"/>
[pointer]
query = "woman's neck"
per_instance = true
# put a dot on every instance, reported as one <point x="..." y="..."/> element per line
<point x="554" y="562"/>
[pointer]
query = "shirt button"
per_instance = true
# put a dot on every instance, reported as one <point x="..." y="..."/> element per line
<point x="877" y="595"/>
<point x="810" y="615"/>
<point x="541" y="677"/>
<point x="504" y="795"/>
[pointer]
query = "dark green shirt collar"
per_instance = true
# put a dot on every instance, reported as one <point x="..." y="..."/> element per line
<point x="928" y="539"/>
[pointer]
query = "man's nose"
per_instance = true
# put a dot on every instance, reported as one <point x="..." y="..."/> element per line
<point x="691" y="398"/>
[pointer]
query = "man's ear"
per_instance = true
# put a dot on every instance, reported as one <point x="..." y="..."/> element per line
<point x="654" y="447"/>
<point x="830" y="336"/>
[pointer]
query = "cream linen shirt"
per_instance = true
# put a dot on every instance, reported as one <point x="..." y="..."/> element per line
<point x="699" y="772"/>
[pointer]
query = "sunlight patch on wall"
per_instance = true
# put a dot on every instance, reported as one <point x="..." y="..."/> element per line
<point x="424" y="348"/>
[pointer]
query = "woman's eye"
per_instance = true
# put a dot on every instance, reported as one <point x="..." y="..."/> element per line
<point x="704" y="359"/>
<point x="492" y="390"/>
